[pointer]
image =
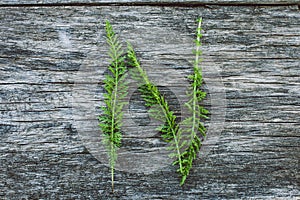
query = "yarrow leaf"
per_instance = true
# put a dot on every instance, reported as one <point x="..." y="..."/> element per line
<point x="197" y="112"/>
<point x="115" y="86"/>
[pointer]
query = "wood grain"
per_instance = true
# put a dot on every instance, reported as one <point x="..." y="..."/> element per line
<point x="149" y="2"/>
<point x="51" y="55"/>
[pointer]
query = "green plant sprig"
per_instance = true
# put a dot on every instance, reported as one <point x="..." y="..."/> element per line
<point x="159" y="107"/>
<point x="192" y="124"/>
<point x="116" y="90"/>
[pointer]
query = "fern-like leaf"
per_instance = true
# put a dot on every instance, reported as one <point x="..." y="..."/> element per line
<point x="193" y="125"/>
<point x="116" y="89"/>
<point x="159" y="106"/>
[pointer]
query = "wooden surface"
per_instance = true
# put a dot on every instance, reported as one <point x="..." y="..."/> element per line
<point x="52" y="57"/>
<point x="151" y="2"/>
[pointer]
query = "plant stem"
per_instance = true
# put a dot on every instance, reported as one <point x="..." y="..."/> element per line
<point x="113" y="117"/>
<point x="196" y="67"/>
<point x="112" y="180"/>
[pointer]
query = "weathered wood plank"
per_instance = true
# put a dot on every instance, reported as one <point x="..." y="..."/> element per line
<point x="151" y="2"/>
<point x="45" y="53"/>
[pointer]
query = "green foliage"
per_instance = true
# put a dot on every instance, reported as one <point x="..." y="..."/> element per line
<point x="184" y="138"/>
<point x="159" y="107"/>
<point x="116" y="90"/>
<point x="192" y="125"/>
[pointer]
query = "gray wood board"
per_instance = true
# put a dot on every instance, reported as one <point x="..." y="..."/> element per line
<point x="151" y="2"/>
<point x="52" y="63"/>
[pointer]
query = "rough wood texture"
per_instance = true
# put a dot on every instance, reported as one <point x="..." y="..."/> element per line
<point x="169" y="2"/>
<point x="47" y="52"/>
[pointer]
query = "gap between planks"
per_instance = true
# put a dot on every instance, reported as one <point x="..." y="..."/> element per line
<point x="155" y="4"/>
